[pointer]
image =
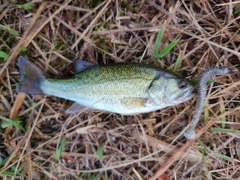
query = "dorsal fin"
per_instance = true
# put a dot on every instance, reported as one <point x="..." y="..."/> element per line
<point x="80" y="65"/>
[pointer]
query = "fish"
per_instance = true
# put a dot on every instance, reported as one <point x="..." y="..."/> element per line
<point x="123" y="88"/>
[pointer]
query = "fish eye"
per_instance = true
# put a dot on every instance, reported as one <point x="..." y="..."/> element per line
<point x="182" y="84"/>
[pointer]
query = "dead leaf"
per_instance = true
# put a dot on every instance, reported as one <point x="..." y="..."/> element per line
<point x="14" y="113"/>
<point x="69" y="158"/>
<point x="164" y="176"/>
<point x="17" y="104"/>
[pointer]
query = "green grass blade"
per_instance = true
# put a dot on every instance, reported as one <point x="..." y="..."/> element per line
<point x="167" y="49"/>
<point x="202" y="151"/>
<point x="100" y="152"/>
<point x="237" y="11"/>
<point x="222" y="110"/>
<point x="8" y="173"/>
<point x="178" y="64"/>
<point x="11" y="172"/>
<point x="23" y="49"/>
<point x="3" y="161"/>
<point x="60" y="149"/>
<point x="3" y="55"/>
<point x="233" y="131"/>
<point x="223" y="156"/>
<point x="25" y="6"/>
<point x="92" y="177"/>
<point x="158" y="42"/>
<point x="19" y="169"/>
<point x="13" y="31"/>
<point x="9" y="122"/>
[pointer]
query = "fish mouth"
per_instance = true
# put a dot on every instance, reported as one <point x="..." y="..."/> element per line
<point x="192" y="92"/>
<point x="188" y="94"/>
<point x="185" y="96"/>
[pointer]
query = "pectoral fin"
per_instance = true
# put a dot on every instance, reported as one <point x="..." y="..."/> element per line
<point x="135" y="102"/>
<point x="149" y="102"/>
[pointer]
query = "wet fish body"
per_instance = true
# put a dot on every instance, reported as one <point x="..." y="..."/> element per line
<point x="125" y="88"/>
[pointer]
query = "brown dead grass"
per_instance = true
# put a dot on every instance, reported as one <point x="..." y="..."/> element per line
<point x="145" y="146"/>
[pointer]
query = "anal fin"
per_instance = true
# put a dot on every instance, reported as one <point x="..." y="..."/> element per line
<point x="76" y="108"/>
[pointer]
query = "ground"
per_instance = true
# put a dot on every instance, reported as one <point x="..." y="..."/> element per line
<point x="42" y="142"/>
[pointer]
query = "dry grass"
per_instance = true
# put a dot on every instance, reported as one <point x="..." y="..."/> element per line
<point x="146" y="146"/>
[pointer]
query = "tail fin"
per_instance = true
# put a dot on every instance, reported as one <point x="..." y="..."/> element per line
<point x="31" y="77"/>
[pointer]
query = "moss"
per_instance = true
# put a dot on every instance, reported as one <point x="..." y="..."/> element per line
<point x="107" y="25"/>
<point x="135" y="9"/>
<point x="124" y="3"/>
<point x="108" y="13"/>
<point x="137" y="20"/>
<point x="122" y="13"/>
<point x="59" y="44"/>
<point x="101" y="38"/>
<point x="105" y="47"/>
<point x="93" y="3"/>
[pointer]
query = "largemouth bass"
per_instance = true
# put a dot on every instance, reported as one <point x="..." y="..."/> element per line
<point x="124" y="88"/>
